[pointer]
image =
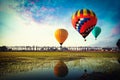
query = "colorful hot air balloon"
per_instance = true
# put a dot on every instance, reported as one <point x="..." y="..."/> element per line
<point x="96" y="31"/>
<point x="61" y="35"/>
<point x="84" y="21"/>
<point x="60" y="69"/>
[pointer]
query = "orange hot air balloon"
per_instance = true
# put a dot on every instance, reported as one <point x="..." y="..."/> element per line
<point x="61" y="35"/>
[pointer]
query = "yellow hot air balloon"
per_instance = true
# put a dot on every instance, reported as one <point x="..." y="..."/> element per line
<point x="61" y="35"/>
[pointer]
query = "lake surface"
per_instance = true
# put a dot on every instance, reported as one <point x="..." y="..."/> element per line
<point x="43" y="69"/>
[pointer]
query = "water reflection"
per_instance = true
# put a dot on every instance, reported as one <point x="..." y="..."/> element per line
<point x="16" y="65"/>
<point x="60" y="69"/>
<point x="26" y="68"/>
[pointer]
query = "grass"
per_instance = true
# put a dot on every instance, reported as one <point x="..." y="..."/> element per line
<point x="66" y="56"/>
<point x="59" y="54"/>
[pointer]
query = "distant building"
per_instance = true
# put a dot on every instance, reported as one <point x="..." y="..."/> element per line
<point x="110" y="49"/>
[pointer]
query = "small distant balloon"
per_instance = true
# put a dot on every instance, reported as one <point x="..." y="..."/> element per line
<point x="61" y="35"/>
<point x="60" y="69"/>
<point x="96" y="31"/>
<point x="84" y="21"/>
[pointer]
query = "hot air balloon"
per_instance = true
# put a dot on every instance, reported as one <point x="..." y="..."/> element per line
<point x="96" y="31"/>
<point x="60" y="69"/>
<point x="61" y="35"/>
<point x="84" y="21"/>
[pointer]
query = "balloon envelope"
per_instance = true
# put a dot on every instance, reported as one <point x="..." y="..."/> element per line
<point x="61" y="35"/>
<point x="83" y="21"/>
<point x="96" y="31"/>
<point x="60" y="69"/>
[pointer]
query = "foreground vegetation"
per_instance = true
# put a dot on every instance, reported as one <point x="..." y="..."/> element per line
<point x="59" y="54"/>
<point x="15" y="62"/>
<point x="6" y="57"/>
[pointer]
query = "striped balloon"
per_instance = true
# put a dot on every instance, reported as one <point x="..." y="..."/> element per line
<point x="84" y="21"/>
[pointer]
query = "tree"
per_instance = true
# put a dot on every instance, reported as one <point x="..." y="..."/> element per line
<point x="3" y="48"/>
<point x="118" y="43"/>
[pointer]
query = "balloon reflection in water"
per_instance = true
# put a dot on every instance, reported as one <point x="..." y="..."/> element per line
<point x="60" y="69"/>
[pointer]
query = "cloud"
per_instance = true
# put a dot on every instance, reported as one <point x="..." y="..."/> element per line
<point x="116" y="30"/>
<point x="32" y="9"/>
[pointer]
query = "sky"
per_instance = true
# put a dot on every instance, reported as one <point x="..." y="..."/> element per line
<point x="33" y="22"/>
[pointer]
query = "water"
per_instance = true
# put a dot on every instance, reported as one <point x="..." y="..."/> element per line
<point x="43" y="69"/>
